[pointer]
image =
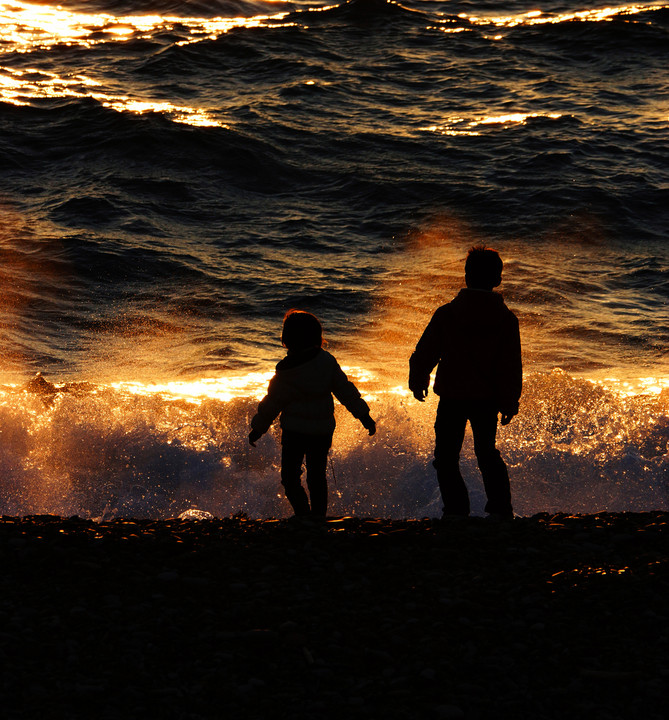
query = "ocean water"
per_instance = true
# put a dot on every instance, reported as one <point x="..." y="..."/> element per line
<point x="176" y="175"/>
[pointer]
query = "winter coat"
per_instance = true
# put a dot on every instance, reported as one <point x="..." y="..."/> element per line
<point x="301" y="391"/>
<point x="475" y="342"/>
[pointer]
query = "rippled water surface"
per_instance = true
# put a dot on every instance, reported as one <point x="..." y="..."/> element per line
<point x="176" y="178"/>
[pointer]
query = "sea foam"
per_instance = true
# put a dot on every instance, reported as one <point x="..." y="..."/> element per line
<point x="101" y="452"/>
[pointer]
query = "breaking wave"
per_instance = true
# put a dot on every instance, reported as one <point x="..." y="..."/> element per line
<point x="161" y="451"/>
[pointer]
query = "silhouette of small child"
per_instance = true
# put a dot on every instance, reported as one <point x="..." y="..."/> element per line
<point x="475" y="342"/>
<point x="301" y="392"/>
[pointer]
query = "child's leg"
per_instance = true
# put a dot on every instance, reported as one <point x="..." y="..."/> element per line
<point x="292" y="455"/>
<point x="449" y="429"/>
<point x="492" y="466"/>
<point x="317" y="449"/>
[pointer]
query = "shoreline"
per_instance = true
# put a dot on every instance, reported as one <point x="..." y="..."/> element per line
<point x="549" y="616"/>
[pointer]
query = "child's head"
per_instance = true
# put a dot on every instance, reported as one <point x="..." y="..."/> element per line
<point x="483" y="268"/>
<point x="301" y="330"/>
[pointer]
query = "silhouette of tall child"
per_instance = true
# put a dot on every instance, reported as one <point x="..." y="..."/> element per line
<point x="301" y="392"/>
<point x="474" y="341"/>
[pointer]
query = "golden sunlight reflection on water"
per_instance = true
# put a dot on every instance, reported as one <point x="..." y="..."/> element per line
<point x="250" y="385"/>
<point x="538" y="17"/>
<point x="20" y="86"/>
<point x="461" y="126"/>
<point x="28" y="27"/>
<point x="225" y="388"/>
<point x="254" y="385"/>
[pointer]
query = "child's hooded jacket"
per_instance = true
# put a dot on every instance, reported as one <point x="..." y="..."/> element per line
<point x="301" y="391"/>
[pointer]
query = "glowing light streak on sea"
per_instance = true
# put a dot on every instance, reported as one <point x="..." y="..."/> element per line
<point x="19" y="87"/>
<point x="461" y="126"/>
<point x="28" y="27"/>
<point x="537" y="17"/>
<point x="254" y="385"/>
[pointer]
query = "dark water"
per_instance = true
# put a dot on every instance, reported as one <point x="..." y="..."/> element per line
<point x="175" y="177"/>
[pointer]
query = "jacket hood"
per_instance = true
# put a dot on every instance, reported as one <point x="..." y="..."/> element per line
<point x="479" y="298"/>
<point x="298" y="357"/>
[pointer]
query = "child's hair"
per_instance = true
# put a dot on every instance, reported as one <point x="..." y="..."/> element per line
<point x="483" y="268"/>
<point x="301" y="330"/>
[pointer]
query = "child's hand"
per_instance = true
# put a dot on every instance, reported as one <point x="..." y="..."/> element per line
<point x="369" y="425"/>
<point x="419" y="393"/>
<point x="508" y="412"/>
<point x="254" y="435"/>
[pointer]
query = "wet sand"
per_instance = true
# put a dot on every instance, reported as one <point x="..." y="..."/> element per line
<point x="543" y="617"/>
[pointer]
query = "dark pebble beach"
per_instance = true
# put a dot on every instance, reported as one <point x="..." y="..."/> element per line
<point x="551" y="616"/>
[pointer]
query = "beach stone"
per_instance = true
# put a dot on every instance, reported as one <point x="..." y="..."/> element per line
<point x="195" y="514"/>
<point x="168" y="576"/>
<point x="449" y="712"/>
<point x="207" y="640"/>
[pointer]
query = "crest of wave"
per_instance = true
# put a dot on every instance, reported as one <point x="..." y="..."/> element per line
<point x="102" y="452"/>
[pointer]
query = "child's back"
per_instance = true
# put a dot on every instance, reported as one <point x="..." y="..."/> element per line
<point x="301" y="393"/>
<point x="475" y="343"/>
<point x="473" y="340"/>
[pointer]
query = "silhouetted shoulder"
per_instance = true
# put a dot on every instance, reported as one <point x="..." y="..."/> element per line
<point x="295" y="359"/>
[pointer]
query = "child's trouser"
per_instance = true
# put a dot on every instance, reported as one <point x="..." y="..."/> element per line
<point x="297" y="447"/>
<point x="450" y="427"/>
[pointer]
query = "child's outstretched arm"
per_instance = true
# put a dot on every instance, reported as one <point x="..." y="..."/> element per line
<point x="349" y="396"/>
<point x="510" y="371"/>
<point x="268" y="410"/>
<point x="254" y="436"/>
<point x="369" y="425"/>
<point x="425" y="357"/>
